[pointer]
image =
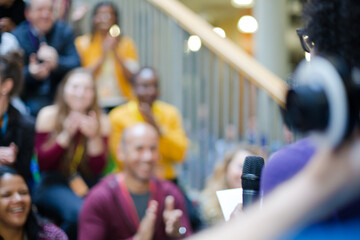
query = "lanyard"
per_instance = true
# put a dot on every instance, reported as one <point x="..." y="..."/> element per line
<point x="78" y="155"/>
<point x="4" y="123"/>
<point x="129" y="201"/>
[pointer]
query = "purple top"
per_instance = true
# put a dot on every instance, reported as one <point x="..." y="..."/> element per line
<point x="285" y="163"/>
<point x="106" y="214"/>
<point x="52" y="232"/>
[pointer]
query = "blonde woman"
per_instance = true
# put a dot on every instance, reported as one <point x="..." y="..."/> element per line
<point x="71" y="146"/>
<point x="227" y="175"/>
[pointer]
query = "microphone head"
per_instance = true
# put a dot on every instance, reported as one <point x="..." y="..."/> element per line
<point x="251" y="172"/>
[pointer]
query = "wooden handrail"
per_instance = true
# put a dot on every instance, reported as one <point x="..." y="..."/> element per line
<point x="229" y="51"/>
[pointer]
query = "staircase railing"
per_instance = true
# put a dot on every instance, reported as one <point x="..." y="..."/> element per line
<point x="224" y="94"/>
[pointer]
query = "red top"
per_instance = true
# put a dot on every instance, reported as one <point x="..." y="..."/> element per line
<point x="49" y="158"/>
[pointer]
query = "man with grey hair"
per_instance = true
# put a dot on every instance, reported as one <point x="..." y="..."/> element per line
<point x="49" y="53"/>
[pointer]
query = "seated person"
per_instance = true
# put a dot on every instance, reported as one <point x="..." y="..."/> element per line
<point x="17" y="219"/>
<point x="49" y="53"/>
<point x="17" y="131"/>
<point x="134" y="204"/>
<point x="111" y="57"/>
<point x="71" y="145"/>
<point x="227" y="175"/>
<point x="164" y="117"/>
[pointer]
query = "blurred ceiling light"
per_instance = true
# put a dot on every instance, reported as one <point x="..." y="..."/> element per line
<point x="247" y="24"/>
<point x="115" y="30"/>
<point x="194" y="43"/>
<point x="307" y="56"/>
<point x="220" y="32"/>
<point x="242" y="3"/>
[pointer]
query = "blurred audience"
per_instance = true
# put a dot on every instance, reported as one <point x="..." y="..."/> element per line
<point x="164" y="117"/>
<point x="71" y="146"/>
<point x="12" y="13"/>
<point x="110" y="55"/>
<point x="17" y="219"/>
<point x="17" y="130"/>
<point x="134" y="204"/>
<point x="49" y="53"/>
<point x="313" y="184"/>
<point x="227" y="175"/>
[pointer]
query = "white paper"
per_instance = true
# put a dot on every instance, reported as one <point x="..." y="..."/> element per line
<point x="228" y="200"/>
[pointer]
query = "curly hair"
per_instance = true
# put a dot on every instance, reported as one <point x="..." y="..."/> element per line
<point x="333" y="27"/>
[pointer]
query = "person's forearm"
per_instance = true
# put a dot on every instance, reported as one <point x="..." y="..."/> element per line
<point x="127" y="73"/>
<point x="292" y="205"/>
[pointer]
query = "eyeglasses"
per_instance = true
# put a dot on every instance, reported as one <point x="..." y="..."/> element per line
<point x="306" y="44"/>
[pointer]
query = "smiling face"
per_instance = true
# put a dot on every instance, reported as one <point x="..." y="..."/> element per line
<point x="40" y="14"/>
<point x="79" y="91"/>
<point x="139" y="152"/>
<point x="235" y="168"/>
<point x="146" y="86"/>
<point x="104" y="18"/>
<point x="15" y="201"/>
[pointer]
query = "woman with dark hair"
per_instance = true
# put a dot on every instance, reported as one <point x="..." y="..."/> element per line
<point x="17" y="131"/>
<point x="17" y="219"/>
<point x="111" y="56"/>
<point x="71" y="146"/>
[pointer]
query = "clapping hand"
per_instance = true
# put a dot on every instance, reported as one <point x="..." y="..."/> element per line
<point x="8" y="154"/>
<point x="39" y="71"/>
<point x="172" y="217"/>
<point x="110" y="43"/>
<point x="48" y="55"/>
<point x="89" y="124"/>
<point x="147" y="225"/>
<point x="146" y="112"/>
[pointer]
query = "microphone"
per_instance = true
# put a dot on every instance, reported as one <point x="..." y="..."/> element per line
<point x="250" y="179"/>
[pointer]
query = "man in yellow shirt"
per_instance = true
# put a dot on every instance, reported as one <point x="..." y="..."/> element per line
<point x="164" y="117"/>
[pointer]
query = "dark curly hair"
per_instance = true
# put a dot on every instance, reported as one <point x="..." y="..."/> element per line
<point x="333" y="26"/>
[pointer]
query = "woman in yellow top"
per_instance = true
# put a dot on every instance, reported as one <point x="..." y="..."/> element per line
<point x="111" y="56"/>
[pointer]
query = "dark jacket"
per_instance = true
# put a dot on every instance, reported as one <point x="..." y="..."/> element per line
<point x="21" y="131"/>
<point x="60" y="37"/>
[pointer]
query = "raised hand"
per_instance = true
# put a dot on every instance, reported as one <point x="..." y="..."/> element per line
<point x="8" y="154"/>
<point x="72" y="123"/>
<point x="146" y="112"/>
<point x="110" y="43"/>
<point x="89" y="125"/>
<point x="48" y="55"/>
<point x="39" y="71"/>
<point x="147" y="225"/>
<point x="172" y="217"/>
